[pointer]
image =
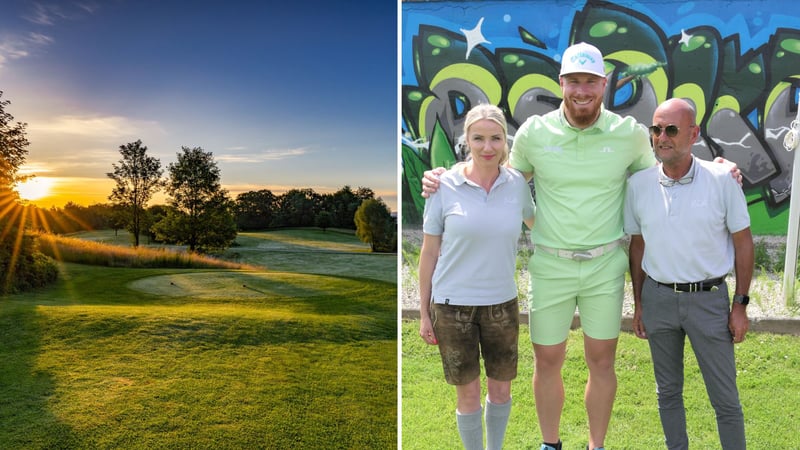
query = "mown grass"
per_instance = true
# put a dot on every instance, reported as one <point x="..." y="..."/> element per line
<point x="197" y="358"/>
<point x="768" y="379"/>
<point x="314" y="251"/>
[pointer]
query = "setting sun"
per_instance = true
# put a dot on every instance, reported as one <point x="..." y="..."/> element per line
<point x="35" y="188"/>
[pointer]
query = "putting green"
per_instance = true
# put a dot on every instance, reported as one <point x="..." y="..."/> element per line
<point x="221" y="284"/>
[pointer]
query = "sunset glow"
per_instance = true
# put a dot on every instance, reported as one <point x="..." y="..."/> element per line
<point x="47" y="192"/>
<point x="35" y="188"/>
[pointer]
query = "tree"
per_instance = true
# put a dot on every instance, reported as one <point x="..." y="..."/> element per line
<point x="255" y="209"/>
<point x="299" y="207"/>
<point x="21" y="266"/>
<point x="202" y="214"/>
<point x="343" y="205"/>
<point x="375" y="226"/>
<point x="323" y="220"/>
<point x="13" y="152"/>
<point x="138" y="177"/>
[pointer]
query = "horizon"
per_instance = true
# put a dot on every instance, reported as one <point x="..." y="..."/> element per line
<point x="41" y="197"/>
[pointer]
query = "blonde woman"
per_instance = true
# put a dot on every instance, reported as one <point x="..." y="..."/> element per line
<point x="468" y="294"/>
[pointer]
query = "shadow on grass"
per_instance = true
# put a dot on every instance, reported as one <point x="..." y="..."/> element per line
<point x="25" y="417"/>
<point x="222" y="331"/>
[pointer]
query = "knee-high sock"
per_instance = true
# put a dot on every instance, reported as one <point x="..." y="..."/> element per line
<point x="496" y="422"/>
<point x="470" y="427"/>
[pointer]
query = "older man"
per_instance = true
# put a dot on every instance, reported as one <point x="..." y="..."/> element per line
<point x="689" y="227"/>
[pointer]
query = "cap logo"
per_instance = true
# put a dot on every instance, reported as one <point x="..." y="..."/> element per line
<point x="582" y="58"/>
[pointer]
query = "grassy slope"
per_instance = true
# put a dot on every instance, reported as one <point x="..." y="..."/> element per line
<point x="146" y="358"/>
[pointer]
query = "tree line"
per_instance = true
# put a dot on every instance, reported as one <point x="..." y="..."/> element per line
<point x="253" y="211"/>
<point x="200" y="214"/>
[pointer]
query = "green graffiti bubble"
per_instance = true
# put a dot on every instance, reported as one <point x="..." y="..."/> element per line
<point x="511" y="59"/>
<point x="602" y="29"/>
<point x="791" y="45"/>
<point x="754" y="68"/>
<point x="520" y="63"/>
<point x="694" y="43"/>
<point x="623" y="30"/>
<point x="780" y="54"/>
<point x="436" y="51"/>
<point x="415" y="96"/>
<point x="437" y="40"/>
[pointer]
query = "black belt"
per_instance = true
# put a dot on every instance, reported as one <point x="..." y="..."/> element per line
<point x="705" y="285"/>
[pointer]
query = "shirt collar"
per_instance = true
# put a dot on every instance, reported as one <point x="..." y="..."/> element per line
<point x="460" y="178"/>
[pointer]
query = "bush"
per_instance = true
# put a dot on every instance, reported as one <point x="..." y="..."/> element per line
<point x="761" y="256"/>
<point x="25" y="268"/>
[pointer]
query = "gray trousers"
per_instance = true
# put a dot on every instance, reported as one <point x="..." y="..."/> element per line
<point x="669" y="317"/>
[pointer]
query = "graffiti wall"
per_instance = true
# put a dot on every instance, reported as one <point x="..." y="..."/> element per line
<point x="737" y="61"/>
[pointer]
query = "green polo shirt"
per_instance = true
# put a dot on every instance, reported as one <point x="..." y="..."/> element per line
<point x="580" y="175"/>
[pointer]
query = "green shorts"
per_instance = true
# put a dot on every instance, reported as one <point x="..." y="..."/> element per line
<point x="558" y="286"/>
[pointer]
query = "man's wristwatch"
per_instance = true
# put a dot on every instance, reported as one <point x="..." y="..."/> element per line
<point x="741" y="299"/>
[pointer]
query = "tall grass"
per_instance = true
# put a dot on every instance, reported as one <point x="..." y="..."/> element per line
<point x="67" y="249"/>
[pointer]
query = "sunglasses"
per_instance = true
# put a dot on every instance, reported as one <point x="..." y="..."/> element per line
<point x="668" y="182"/>
<point x="671" y="130"/>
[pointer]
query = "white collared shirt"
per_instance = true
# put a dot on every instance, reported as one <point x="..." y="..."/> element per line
<point x="686" y="227"/>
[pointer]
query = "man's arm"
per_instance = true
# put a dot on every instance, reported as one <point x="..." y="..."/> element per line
<point x="743" y="267"/>
<point x="430" y="179"/>
<point x="635" y="256"/>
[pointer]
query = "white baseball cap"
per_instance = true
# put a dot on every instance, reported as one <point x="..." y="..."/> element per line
<point x="582" y="58"/>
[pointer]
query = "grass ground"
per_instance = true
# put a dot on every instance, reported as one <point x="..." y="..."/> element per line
<point x="199" y="358"/>
<point x="768" y="378"/>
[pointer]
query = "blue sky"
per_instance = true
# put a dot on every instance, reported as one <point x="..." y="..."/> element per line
<point x="300" y="95"/>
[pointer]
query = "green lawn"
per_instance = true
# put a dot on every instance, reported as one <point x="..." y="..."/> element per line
<point x="769" y="385"/>
<point x="198" y="358"/>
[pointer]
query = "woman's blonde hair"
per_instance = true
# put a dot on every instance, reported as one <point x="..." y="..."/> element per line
<point x="489" y="112"/>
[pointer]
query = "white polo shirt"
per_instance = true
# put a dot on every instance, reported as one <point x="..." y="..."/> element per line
<point x="686" y="227"/>
<point x="480" y="231"/>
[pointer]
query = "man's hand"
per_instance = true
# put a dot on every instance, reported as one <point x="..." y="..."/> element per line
<point x="638" y="326"/>
<point x="735" y="172"/>
<point x="430" y="181"/>
<point x="738" y="323"/>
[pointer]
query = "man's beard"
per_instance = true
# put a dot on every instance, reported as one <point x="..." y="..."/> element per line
<point x="582" y="117"/>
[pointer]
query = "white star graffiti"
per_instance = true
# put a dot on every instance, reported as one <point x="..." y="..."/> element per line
<point x="474" y="37"/>
<point x="685" y="38"/>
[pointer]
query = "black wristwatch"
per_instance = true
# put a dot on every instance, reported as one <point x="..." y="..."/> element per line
<point x="741" y="299"/>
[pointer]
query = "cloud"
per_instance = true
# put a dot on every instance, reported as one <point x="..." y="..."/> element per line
<point x="42" y="15"/>
<point x="266" y="155"/>
<point x="48" y="14"/>
<point x="39" y="39"/>
<point x="11" y="49"/>
<point x="109" y="127"/>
